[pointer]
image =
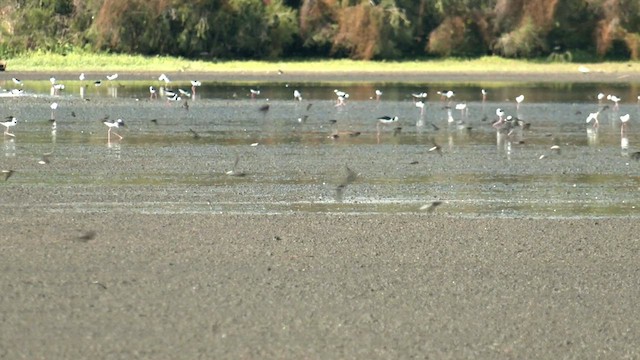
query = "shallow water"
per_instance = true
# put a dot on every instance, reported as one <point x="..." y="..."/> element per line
<point x="174" y="160"/>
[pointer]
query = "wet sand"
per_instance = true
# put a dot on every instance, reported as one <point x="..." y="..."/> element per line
<point x="108" y="284"/>
<point x="122" y="285"/>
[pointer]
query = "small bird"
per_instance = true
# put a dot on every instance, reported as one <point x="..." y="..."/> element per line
<point x="153" y="93"/>
<point x="624" y="119"/>
<point x="112" y="77"/>
<point x="11" y="121"/>
<point x="297" y="95"/>
<point x="113" y="124"/>
<point x="81" y="77"/>
<point x="254" y="93"/>
<point x="17" y="81"/>
<point x="45" y="159"/>
<point x="519" y="100"/>
<point x="195" y="135"/>
<point x="234" y="171"/>
<point x="350" y="178"/>
<point x="54" y="107"/>
<point x="484" y="95"/>
<point x="85" y="236"/>
<point x="164" y="78"/>
<point x="435" y="147"/>
<point x="378" y="94"/>
<point x="194" y="85"/>
<point x="431" y="207"/>
<point x="264" y="108"/>
<point x="7" y="174"/>
<point x="419" y="96"/>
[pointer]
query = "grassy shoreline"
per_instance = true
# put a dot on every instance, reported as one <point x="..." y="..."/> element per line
<point x="77" y="62"/>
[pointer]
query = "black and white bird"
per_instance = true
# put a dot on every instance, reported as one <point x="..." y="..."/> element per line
<point x="112" y="77"/>
<point x="11" y="121"/>
<point x="297" y="95"/>
<point x="111" y="125"/>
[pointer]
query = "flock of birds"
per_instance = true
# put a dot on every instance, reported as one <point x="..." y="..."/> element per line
<point x="503" y="124"/>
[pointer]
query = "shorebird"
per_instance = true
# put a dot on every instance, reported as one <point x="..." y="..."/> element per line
<point x="81" y="77"/>
<point x="112" y="77"/>
<point x="184" y="93"/>
<point x="615" y="100"/>
<point x="519" y="100"/>
<point x="583" y="69"/>
<point x="435" y="147"/>
<point x="600" y="97"/>
<point x="624" y="119"/>
<point x="153" y="93"/>
<point x="11" y="121"/>
<point x="463" y="109"/>
<point x="446" y="94"/>
<point x="53" y="107"/>
<point x="113" y="124"/>
<point x="350" y="178"/>
<point x="17" y="81"/>
<point x="419" y="96"/>
<point x="254" y="93"/>
<point x="484" y="95"/>
<point x="420" y="105"/>
<point x="431" y="207"/>
<point x="7" y="174"/>
<point x="164" y="78"/>
<point x="342" y="97"/>
<point x="378" y="94"/>
<point x="234" y="171"/>
<point x="297" y="95"/>
<point x="194" y="85"/>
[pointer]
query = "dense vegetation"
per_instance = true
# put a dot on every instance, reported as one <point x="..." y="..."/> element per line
<point x="359" y="29"/>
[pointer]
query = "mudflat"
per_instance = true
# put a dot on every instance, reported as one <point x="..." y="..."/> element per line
<point x="119" y="282"/>
<point x="317" y="286"/>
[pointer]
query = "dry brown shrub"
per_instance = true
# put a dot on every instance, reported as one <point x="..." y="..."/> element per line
<point x="358" y="31"/>
<point x="633" y="44"/>
<point x="449" y="35"/>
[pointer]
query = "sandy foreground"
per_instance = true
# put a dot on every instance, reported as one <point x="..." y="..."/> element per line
<point x="123" y="285"/>
<point x="129" y="285"/>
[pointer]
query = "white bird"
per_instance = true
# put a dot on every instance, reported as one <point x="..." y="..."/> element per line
<point x="164" y="78"/>
<point x="342" y="97"/>
<point x="463" y="108"/>
<point x="593" y="117"/>
<point x="254" y="93"/>
<point x="11" y="121"/>
<point x="624" y="119"/>
<point x="418" y="96"/>
<point x="519" y="99"/>
<point x="153" y="93"/>
<point x="81" y="77"/>
<point x="378" y="94"/>
<point x="583" y="69"/>
<point x="446" y="94"/>
<point x="17" y="81"/>
<point x="112" y="77"/>
<point x="194" y="85"/>
<point x="111" y="125"/>
<point x="484" y="94"/>
<point x="420" y="105"/>
<point x="615" y="100"/>
<point x="297" y="95"/>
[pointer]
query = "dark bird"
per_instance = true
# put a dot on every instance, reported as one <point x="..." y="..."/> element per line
<point x="86" y="236"/>
<point x="196" y="136"/>
<point x="431" y="207"/>
<point x="309" y="106"/>
<point x="7" y="174"/>
<point x="350" y="178"/>
<point x="154" y="121"/>
<point x="264" y="108"/>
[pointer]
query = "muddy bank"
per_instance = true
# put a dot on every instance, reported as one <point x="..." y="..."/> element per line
<point x="122" y="285"/>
